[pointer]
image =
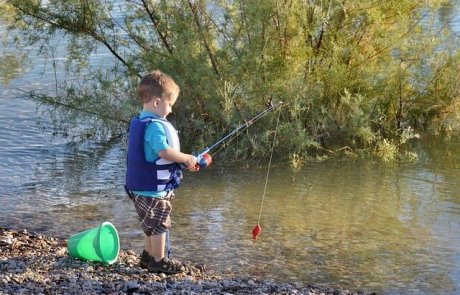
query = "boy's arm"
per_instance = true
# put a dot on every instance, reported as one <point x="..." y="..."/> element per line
<point x="173" y="155"/>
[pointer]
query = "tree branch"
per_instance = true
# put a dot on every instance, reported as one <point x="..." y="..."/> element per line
<point x="156" y="25"/>
<point x="205" y="41"/>
<point x="372" y="56"/>
<point x="72" y="28"/>
<point x="43" y="98"/>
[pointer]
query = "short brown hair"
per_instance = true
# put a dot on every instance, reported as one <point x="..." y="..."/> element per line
<point x="156" y="84"/>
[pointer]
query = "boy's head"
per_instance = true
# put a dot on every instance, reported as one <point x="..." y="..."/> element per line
<point x="158" y="90"/>
<point x="157" y="85"/>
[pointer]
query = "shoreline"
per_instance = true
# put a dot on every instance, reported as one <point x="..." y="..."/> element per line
<point x="31" y="263"/>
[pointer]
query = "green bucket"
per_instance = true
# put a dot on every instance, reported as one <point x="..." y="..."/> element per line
<point x="95" y="244"/>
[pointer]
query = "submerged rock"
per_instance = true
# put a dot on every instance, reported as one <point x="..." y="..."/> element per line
<point x="37" y="264"/>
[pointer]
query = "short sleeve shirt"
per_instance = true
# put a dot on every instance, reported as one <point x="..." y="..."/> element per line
<point x="155" y="139"/>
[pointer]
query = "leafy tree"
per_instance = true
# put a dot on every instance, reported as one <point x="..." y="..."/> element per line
<point x="360" y="74"/>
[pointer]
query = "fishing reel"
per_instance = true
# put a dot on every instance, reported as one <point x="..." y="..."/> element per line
<point x="203" y="161"/>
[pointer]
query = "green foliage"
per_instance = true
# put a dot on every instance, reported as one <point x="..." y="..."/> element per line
<point x="352" y="73"/>
<point x="10" y="66"/>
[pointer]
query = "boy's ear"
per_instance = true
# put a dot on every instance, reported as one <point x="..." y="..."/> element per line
<point x="156" y="101"/>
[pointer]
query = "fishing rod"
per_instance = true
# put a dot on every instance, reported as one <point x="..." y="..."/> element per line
<point x="204" y="159"/>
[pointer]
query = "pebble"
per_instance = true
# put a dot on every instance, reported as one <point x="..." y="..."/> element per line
<point x="37" y="264"/>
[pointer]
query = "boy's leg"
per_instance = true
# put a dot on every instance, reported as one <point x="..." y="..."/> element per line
<point x="155" y="221"/>
<point x="148" y="245"/>
<point x="155" y="246"/>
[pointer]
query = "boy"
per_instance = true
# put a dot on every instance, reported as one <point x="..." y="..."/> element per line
<point x="153" y="170"/>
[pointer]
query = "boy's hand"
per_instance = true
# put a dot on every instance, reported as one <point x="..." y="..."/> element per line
<point x="175" y="156"/>
<point x="191" y="162"/>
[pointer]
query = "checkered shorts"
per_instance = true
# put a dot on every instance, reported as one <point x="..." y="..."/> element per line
<point x="154" y="213"/>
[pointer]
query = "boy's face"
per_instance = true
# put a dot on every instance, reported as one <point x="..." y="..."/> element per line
<point x="164" y="105"/>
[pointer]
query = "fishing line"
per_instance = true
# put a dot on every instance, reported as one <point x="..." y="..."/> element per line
<point x="258" y="229"/>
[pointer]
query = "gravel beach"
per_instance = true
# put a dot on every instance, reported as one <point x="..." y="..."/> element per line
<point x="31" y="263"/>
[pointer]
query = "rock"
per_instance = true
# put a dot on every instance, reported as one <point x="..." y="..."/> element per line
<point x="38" y="264"/>
<point x="6" y="241"/>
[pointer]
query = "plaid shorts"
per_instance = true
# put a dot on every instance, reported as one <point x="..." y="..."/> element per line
<point x="154" y="213"/>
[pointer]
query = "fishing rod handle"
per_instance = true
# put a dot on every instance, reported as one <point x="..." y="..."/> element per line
<point x="203" y="160"/>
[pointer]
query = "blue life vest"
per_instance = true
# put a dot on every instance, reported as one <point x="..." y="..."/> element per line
<point x="147" y="176"/>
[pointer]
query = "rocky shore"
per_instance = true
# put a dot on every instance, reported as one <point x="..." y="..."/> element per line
<point x="31" y="263"/>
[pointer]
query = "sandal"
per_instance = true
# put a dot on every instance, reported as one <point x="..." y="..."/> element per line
<point x="145" y="260"/>
<point x="166" y="266"/>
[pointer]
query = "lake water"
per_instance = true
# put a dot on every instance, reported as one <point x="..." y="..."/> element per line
<point x="351" y="223"/>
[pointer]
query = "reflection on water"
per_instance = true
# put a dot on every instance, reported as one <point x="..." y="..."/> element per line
<point x="349" y="222"/>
